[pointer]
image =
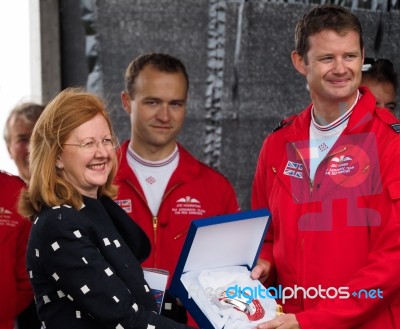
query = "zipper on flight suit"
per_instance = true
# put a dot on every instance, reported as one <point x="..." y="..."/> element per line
<point x="323" y="160"/>
<point x="312" y="184"/>
<point x="310" y="181"/>
<point x="155" y="222"/>
<point x="154" y="218"/>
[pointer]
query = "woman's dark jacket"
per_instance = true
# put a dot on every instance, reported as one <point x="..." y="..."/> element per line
<point x="85" y="269"/>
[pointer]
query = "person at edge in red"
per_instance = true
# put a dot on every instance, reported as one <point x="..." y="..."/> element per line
<point x="330" y="177"/>
<point x="15" y="289"/>
<point x="161" y="185"/>
<point x="17" y="133"/>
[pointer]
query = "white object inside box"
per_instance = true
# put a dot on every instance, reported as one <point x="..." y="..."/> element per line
<point x="229" y="298"/>
<point x="222" y="250"/>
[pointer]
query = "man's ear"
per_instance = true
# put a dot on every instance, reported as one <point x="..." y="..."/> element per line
<point x="298" y="62"/>
<point x="363" y="55"/>
<point x="126" y="102"/>
<point x="9" y="152"/>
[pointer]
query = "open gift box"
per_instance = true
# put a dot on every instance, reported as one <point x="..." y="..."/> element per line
<point x="212" y="277"/>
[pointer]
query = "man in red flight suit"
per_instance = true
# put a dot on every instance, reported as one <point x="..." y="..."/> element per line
<point x="15" y="289"/>
<point x="330" y="177"/>
<point x="161" y="185"/>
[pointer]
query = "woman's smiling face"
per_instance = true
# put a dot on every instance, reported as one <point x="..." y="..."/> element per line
<point x="88" y="168"/>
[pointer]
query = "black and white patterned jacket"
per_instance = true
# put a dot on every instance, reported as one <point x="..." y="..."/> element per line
<point x="85" y="269"/>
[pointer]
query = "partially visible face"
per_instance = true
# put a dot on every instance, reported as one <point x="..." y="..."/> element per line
<point x="332" y="67"/>
<point x="384" y="93"/>
<point x="157" y="112"/>
<point x="18" y="147"/>
<point x="87" y="170"/>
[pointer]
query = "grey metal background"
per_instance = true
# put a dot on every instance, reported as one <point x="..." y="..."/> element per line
<point x="237" y="54"/>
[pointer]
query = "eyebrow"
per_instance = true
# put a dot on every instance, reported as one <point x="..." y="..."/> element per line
<point x="178" y="101"/>
<point x="24" y="135"/>
<point x="157" y="99"/>
<point x="151" y="98"/>
<point x="92" y="137"/>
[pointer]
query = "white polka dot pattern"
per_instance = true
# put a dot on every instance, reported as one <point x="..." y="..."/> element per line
<point x="85" y="289"/>
<point x="88" y="258"/>
<point x="78" y="234"/>
<point x="55" y="246"/>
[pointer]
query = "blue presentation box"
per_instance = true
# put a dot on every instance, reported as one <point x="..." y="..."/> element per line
<point x="218" y="242"/>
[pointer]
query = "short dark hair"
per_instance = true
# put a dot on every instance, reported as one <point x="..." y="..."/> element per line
<point x="324" y="17"/>
<point x="161" y="62"/>
<point x="380" y="70"/>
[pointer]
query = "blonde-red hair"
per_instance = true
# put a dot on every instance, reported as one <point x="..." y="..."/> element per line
<point x="68" y="110"/>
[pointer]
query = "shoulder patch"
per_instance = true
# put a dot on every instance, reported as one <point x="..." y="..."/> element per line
<point x="396" y="127"/>
<point x="389" y="119"/>
<point x="284" y="122"/>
